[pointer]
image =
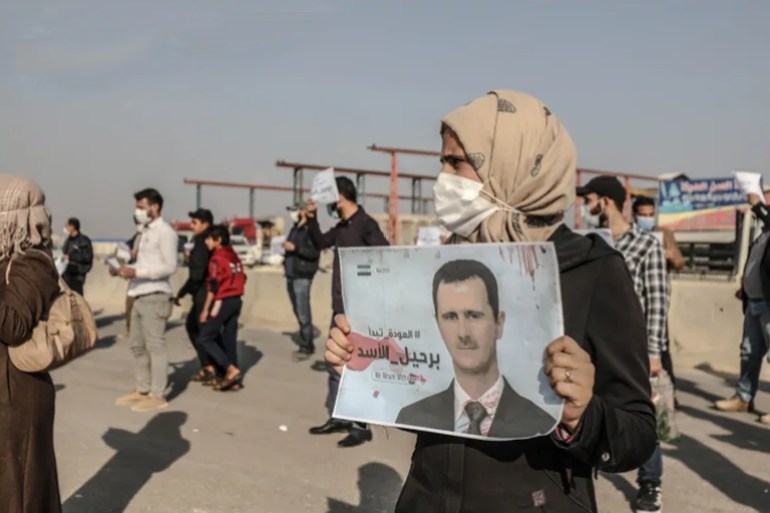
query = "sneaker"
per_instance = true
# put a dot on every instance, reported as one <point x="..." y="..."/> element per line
<point x="129" y="399"/>
<point x="649" y="499"/>
<point x="765" y="419"/>
<point x="150" y="403"/>
<point x="734" y="404"/>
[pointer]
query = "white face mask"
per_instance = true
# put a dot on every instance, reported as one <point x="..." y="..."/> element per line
<point x="592" y="221"/>
<point x="646" y="223"/>
<point x="459" y="204"/>
<point x="294" y="216"/>
<point x="142" y="216"/>
<point x="66" y="231"/>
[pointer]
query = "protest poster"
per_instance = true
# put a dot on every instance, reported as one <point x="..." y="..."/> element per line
<point x="324" y="188"/>
<point x="276" y="245"/>
<point x="61" y="265"/>
<point x="429" y="236"/>
<point x="114" y="264"/>
<point x="439" y="331"/>
<point x="750" y="183"/>
<point x="123" y="252"/>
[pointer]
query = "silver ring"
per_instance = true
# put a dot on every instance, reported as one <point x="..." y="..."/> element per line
<point x="568" y="376"/>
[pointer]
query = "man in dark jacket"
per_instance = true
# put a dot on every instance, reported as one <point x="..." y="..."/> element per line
<point x="201" y="221"/>
<point x="755" y="293"/>
<point x="479" y="401"/>
<point x="79" y="255"/>
<point x="300" y="265"/>
<point x="356" y="228"/>
<point x="643" y="253"/>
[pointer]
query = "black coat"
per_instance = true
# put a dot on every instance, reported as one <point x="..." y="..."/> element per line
<point x="360" y="230"/>
<point x="81" y="256"/>
<point x="306" y="255"/>
<point x="762" y="212"/>
<point x="516" y="416"/>
<point x="198" y="267"/>
<point x="617" y="434"/>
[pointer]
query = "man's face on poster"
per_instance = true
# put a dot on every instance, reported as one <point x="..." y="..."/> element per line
<point x="468" y="325"/>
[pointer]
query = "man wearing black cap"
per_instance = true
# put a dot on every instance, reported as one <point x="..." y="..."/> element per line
<point x="201" y="221"/>
<point x="300" y="265"/>
<point x="604" y="198"/>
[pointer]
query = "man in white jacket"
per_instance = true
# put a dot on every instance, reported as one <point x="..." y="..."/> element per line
<point x="150" y="287"/>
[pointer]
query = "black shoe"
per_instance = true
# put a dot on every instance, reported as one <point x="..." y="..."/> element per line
<point x="302" y="354"/>
<point x="356" y="437"/>
<point x="649" y="499"/>
<point x="319" y="366"/>
<point x="331" y="426"/>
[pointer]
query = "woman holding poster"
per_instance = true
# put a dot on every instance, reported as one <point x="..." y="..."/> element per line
<point x="508" y="175"/>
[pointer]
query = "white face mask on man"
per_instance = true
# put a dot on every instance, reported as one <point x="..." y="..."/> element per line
<point x="142" y="217"/>
<point x="592" y="221"/>
<point x="460" y="206"/>
<point x="294" y="216"/>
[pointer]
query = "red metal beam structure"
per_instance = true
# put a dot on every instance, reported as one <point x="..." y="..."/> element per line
<point x="199" y="184"/>
<point x="394" y="176"/>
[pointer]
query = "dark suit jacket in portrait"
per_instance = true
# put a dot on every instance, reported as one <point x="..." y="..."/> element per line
<point x="516" y="416"/>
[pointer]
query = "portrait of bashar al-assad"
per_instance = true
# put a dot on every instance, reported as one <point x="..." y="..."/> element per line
<point x="479" y="401"/>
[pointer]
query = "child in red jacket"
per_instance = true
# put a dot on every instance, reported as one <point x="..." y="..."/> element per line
<point x="219" y="318"/>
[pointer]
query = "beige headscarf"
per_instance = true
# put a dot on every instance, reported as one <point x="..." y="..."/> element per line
<point x="24" y="220"/>
<point x="526" y="161"/>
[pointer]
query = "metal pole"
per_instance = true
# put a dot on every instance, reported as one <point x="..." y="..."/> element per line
<point x="627" y="210"/>
<point x="251" y="203"/>
<point x="198" y="196"/>
<point x="361" y="187"/>
<point x="393" y="203"/>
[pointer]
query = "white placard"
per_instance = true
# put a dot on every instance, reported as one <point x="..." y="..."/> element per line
<point x="61" y="265"/>
<point x="276" y="245"/>
<point x="485" y="326"/>
<point x="429" y="236"/>
<point x="113" y="263"/>
<point x="324" y="188"/>
<point x="750" y="183"/>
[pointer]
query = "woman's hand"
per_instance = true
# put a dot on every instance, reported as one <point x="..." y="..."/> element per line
<point x="571" y="373"/>
<point x="338" y="348"/>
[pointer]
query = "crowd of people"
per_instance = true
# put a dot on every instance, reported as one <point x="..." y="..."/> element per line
<point x="508" y="175"/>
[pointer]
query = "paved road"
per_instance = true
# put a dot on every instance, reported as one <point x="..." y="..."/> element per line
<point x="217" y="453"/>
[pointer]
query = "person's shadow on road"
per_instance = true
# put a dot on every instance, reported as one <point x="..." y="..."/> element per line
<point x="139" y="455"/>
<point x="379" y="486"/>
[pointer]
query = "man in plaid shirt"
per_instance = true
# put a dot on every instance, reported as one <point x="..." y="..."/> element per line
<point x="604" y="199"/>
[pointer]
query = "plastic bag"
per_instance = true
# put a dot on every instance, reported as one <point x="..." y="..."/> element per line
<point x="665" y="413"/>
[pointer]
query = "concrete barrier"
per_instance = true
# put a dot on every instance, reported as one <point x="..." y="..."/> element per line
<point x="705" y="321"/>
<point x="266" y="302"/>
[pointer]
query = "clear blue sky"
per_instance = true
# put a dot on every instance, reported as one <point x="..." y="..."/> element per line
<point x="99" y="99"/>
